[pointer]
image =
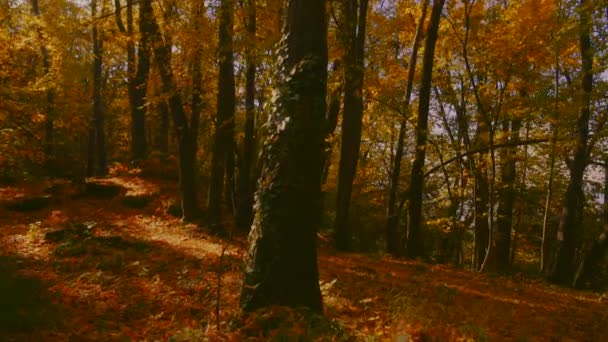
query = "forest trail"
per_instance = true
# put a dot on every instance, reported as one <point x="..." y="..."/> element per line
<point x="92" y="269"/>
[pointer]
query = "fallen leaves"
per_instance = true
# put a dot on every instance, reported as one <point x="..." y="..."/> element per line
<point x="143" y="275"/>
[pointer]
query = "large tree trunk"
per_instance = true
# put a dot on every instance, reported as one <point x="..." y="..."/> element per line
<point x="244" y="212"/>
<point x="185" y="141"/>
<point x="354" y="14"/>
<point x="97" y="152"/>
<point x="282" y="262"/>
<point x="393" y="240"/>
<point x="570" y="222"/>
<point x="140" y="81"/>
<point x="414" y="234"/>
<point x="50" y="94"/>
<point x="223" y="152"/>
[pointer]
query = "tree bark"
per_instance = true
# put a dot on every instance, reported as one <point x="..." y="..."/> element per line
<point x="197" y="76"/>
<point x="49" y="120"/>
<point x="186" y="148"/>
<point x="163" y="129"/>
<point x="331" y="119"/>
<point x="140" y="80"/>
<point x="281" y="264"/>
<point x="97" y="152"/>
<point x="544" y="249"/>
<point x="597" y="252"/>
<point x="571" y="218"/>
<point x="223" y="154"/>
<point x="131" y="66"/>
<point x="354" y="24"/>
<point x="414" y="235"/>
<point x="163" y="106"/>
<point x="504" y="219"/>
<point x="244" y="213"/>
<point x="393" y="240"/>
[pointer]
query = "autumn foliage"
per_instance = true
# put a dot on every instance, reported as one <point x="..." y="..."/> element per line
<point x="379" y="170"/>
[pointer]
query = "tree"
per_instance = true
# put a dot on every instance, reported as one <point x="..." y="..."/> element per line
<point x="414" y="236"/>
<point x="504" y="221"/>
<point x="571" y="217"/>
<point x="140" y="80"/>
<point x="222" y="162"/>
<point x="244" y="212"/>
<point x="393" y="240"/>
<point x="281" y="260"/>
<point x="50" y="93"/>
<point x="97" y="164"/>
<point x="331" y="117"/>
<point x="597" y="251"/>
<point x="354" y="14"/>
<point x="183" y="128"/>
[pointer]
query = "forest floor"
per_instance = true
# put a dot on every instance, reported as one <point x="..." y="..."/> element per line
<point x="95" y="269"/>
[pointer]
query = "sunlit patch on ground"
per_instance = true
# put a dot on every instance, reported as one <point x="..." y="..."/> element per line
<point x="113" y="272"/>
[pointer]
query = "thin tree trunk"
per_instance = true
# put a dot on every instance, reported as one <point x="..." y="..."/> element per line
<point x="393" y="241"/>
<point x="169" y="13"/>
<point x="187" y="157"/>
<point x="97" y="152"/>
<point x="569" y="225"/>
<point x="522" y="194"/>
<point x="223" y="154"/>
<point x="138" y="98"/>
<point x="354" y="23"/>
<point x="331" y="119"/>
<point x="414" y="235"/>
<point x="50" y="94"/>
<point x="281" y="264"/>
<point x="197" y="76"/>
<point x="482" y="228"/>
<point x="483" y="188"/>
<point x="544" y="250"/>
<point x="244" y="213"/>
<point x="131" y="67"/>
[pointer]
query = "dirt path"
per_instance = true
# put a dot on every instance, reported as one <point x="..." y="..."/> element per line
<point x="110" y="272"/>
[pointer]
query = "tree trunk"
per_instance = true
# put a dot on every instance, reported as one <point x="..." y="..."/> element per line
<point x="393" y="241"/>
<point x="571" y="218"/>
<point x="50" y="94"/>
<point x="164" y="112"/>
<point x="186" y="148"/>
<point x="197" y="76"/>
<point x="223" y="153"/>
<point x="414" y="234"/>
<point x="597" y="252"/>
<point x="331" y="119"/>
<point x="97" y="151"/>
<point x="281" y="262"/>
<point x="482" y="228"/>
<point x="504" y="220"/>
<point x="244" y="213"/>
<point x="544" y="249"/>
<point x="163" y="129"/>
<point x="354" y="23"/>
<point x="138" y="97"/>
